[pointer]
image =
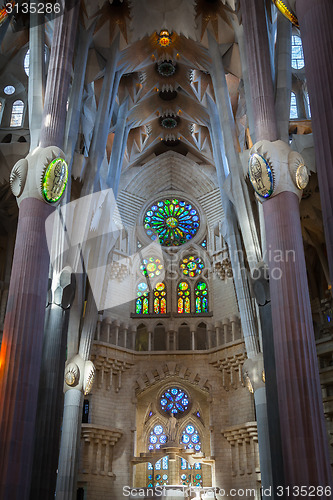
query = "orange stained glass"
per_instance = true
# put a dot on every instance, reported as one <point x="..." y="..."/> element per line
<point x="187" y="305"/>
<point x="180" y="305"/>
<point x="163" y="306"/>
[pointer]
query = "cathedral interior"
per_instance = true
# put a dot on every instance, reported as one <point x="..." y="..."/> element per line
<point x="166" y="249"/>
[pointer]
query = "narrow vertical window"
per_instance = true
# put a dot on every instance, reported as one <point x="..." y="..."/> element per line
<point x="142" y="301"/>
<point x="293" y="106"/>
<point x="160" y="299"/>
<point x="297" y="56"/>
<point x="17" y="114"/>
<point x="201" y="297"/>
<point x="308" y="104"/>
<point x="184" y="298"/>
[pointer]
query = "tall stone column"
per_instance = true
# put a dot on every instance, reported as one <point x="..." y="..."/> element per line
<point x="315" y="20"/>
<point x="303" y="431"/>
<point x="21" y="348"/>
<point x="278" y="176"/>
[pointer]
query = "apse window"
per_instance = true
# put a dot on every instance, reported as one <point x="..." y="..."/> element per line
<point x="26" y="61"/>
<point x="17" y="114"/>
<point x="297" y="56"/>
<point x="293" y="106"/>
<point x="9" y="90"/>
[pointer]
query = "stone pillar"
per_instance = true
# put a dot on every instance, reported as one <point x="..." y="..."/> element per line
<point x="193" y="341"/>
<point x="150" y="341"/>
<point x="116" y="331"/>
<point x="315" y="20"/>
<point x="125" y="334"/>
<point x="50" y="395"/>
<point x="225" y="323"/>
<point x="303" y="432"/>
<point x="218" y="333"/>
<point x="36" y="85"/>
<point x="253" y="375"/>
<point x="69" y="435"/>
<point x="98" y="327"/>
<point x="259" y="64"/>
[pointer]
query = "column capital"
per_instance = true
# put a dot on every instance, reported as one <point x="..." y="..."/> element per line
<point x="43" y="175"/>
<point x="275" y="168"/>
<point x="79" y="375"/>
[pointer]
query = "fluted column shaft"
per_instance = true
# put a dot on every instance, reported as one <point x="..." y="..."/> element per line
<point x="304" y="440"/>
<point x="260" y="77"/>
<point x="21" y="350"/>
<point x="59" y="73"/>
<point x="70" y="438"/>
<point x="315" y="19"/>
<point x="36" y="85"/>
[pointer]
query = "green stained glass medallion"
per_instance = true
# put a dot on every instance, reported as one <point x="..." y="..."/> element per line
<point x="191" y="266"/>
<point x="55" y="180"/>
<point x="173" y="221"/>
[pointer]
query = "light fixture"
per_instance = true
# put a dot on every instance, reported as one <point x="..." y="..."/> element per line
<point x="164" y="38"/>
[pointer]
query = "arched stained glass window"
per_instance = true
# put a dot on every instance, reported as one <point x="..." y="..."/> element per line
<point x="17" y="114"/>
<point x="190" y="475"/>
<point x="191" y="439"/>
<point x="160" y="299"/>
<point x="184" y="298"/>
<point x="151" y="267"/>
<point x="201" y="297"/>
<point x="293" y="107"/>
<point x="297" y="56"/>
<point x="159" y="475"/>
<point x="157" y="438"/>
<point x="192" y="266"/>
<point x="142" y="301"/>
<point x="175" y="401"/>
<point x="173" y="221"/>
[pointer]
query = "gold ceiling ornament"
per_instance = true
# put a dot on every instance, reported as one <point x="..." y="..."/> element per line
<point x="282" y="7"/>
<point x="210" y="12"/>
<point x="164" y="38"/>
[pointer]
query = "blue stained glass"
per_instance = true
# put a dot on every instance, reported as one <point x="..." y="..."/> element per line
<point x="198" y="415"/>
<point x="158" y="429"/>
<point x="195" y="438"/>
<point x="150" y="477"/>
<point x="183" y="477"/>
<point x="153" y="439"/>
<point x="165" y="463"/>
<point x="158" y="477"/>
<point x="197" y="447"/>
<point x="150" y="466"/>
<point x="150" y="447"/>
<point x="190" y="429"/>
<point x="158" y="446"/>
<point x="197" y="466"/>
<point x="186" y="438"/>
<point x="163" y="439"/>
<point x="158" y="465"/>
<point x="150" y="485"/>
<point x="174" y="400"/>
<point x="165" y="477"/>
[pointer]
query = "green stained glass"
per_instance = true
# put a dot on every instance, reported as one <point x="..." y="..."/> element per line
<point x="142" y="301"/>
<point x="151" y="267"/>
<point x="55" y="180"/>
<point x="174" y="222"/>
<point x="201" y="297"/>
<point x="191" y="266"/>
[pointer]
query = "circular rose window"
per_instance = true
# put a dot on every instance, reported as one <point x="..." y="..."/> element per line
<point x="173" y="221"/>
